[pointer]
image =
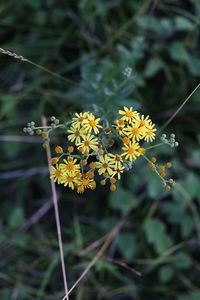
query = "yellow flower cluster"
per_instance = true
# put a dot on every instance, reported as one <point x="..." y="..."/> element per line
<point x="133" y="128"/>
<point x="90" y="154"/>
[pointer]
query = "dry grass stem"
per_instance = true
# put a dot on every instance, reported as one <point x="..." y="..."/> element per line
<point x="100" y="253"/>
<point x="57" y="217"/>
<point x="179" y="109"/>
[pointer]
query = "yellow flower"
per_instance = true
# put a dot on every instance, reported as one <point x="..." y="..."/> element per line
<point x="54" y="160"/>
<point x="120" y="123"/>
<point x="141" y="151"/>
<point x="75" y="134"/>
<point x="88" y="142"/>
<point x="126" y="140"/>
<point x="129" y="114"/>
<point x="105" y="165"/>
<point x="116" y="159"/>
<point x="118" y="171"/>
<point x="85" y="183"/>
<point x="70" y="167"/>
<point x="59" y="149"/>
<point x="131" y="151"/>
<point x="70" y="181"/>
<point x="56" y="173"/>
<point x="91" y="123"/>
<point x="77" y="121"/>
<point x="135" y="132"/>
<point x="143" y="121"/>
<point x="150" y="133"/>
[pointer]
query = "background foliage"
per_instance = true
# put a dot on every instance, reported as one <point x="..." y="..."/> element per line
<point x="90" y="43"/>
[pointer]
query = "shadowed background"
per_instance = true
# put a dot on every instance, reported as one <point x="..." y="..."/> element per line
<point x="90" y="43"/>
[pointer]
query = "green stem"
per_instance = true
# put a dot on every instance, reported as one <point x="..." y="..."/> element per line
<point x="154" y="146"/>
<point x="51" y="72"/>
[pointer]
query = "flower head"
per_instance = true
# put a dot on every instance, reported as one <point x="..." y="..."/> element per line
<point x="131" y="151"/>
<point x="85" y="183"/>
<point x="75" y="134"/>
<point x="143" y="121"/>
<point x="105" y="165"/>
<point x="70" y="181"/>
<point x="135" y="132"/>
<point x="150" y="132"/>
<point x="56" y="173"/>
<point x="118" y="171"/>
<point x="89" y="142"/>
<point x="78" y="120"/>
<point x="91" y="124"/>
<point x="128" y="114"/>
<point x="69" y="166"/>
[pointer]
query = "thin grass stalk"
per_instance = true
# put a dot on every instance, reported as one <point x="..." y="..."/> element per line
<point x="100" y="253"/>
<point x="57" y="217"/>
<point x="178" y="110"/>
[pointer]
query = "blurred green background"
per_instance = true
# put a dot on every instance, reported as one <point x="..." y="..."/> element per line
<point x="90" y="43"/>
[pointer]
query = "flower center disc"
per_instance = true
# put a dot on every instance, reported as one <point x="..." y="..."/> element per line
<point x="85" y="182"/>
<point x="131" y="150"/>
<point x="92" y="123"/>
<point x="129" y="114"/>
<point x="70" y="167"/>
<point x="69" y="178"/>
<point x="135" y="131"/>
<point x="87" y="143"/>
<point x="142" y="123"/>
<point x="57" y="173"/>
<point x="77" y="133"/>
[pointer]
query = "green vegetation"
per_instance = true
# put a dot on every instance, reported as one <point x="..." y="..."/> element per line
<point x="89" y="44"/>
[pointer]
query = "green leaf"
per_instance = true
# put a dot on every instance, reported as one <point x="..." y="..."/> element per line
<point x="127" y="245"/>
<point x="156" y="235"/>
<point x="178" y="52"/>
<point x="192" y="185"/>
<point x="194" y="295"/>
<point x="166" y="273"/>
<point x="182" y="23"/>
<point x="182" y="261"/>
<point x="154" y="185"/>
<point x="196" y="158"/>
<point x="122" y="200"/>
<point x="104" y="265"/>
<point x="193" y="65"/>
<point x="187" y="226"/>
<point x="153" y="66"/>
<point x="16" y="218"/>
<point x="175" y="212"/>
<point x="11" y="149"/>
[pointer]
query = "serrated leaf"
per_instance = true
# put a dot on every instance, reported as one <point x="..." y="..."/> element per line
<point x="196" y="158"/>
<point x="127" y="245"/>
<point x="16" y="218"/>
<point x="153" y="66"/>
<point x="154" y="186"/>
<point x="182" y="23"/>
<point x="194" y="295"/>
<point x="192" y="185"/>
<point x="182" y="261"/>
<point x="178" y="52"/>
<point x="122" y="200"/>
<point x="156" y="235"/>
<point x="187" y="226"/>
<point x="193" y="65"/>
<point x="166" y="273"/>
<point x="175" y="213"/>
<point x="11" y="149"/>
